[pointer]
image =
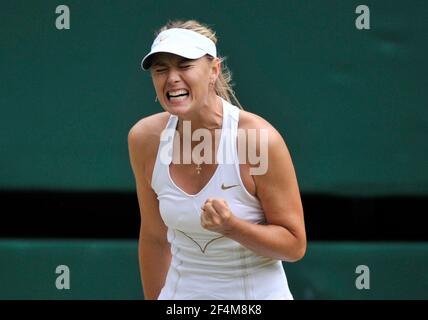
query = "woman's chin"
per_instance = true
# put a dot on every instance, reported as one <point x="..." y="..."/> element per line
<point x="178" y="108"/>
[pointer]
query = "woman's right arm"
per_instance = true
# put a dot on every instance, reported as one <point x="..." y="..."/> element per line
<point x="153" y="248"/>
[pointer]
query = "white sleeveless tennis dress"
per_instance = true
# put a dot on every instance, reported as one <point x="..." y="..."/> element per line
<point x="206" y="265"/>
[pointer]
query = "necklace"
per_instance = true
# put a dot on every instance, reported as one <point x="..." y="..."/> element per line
<point x="198" y="163"/>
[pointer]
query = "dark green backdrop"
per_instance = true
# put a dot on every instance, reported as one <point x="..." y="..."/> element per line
<point x="351" y="104"/>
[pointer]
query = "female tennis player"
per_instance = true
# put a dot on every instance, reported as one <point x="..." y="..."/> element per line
<point x="215" y="223"/>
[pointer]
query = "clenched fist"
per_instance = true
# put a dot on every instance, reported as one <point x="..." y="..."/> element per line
<point x="216" y="216"/>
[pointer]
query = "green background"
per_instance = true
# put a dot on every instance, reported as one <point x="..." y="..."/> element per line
<point x="351" y="104"/>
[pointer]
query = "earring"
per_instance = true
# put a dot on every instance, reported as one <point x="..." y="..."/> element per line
<point x="156" y="99"/>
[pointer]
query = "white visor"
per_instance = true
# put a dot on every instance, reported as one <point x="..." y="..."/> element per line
<point x="182" y="42"/>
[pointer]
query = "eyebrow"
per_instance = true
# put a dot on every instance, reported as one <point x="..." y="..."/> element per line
<point x="158" y="64"/>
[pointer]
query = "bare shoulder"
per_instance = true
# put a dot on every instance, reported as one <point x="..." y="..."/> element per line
<point x="143" y="141"/>
<point x="149" y="127"/>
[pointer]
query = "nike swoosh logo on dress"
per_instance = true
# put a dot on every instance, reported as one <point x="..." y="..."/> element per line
<point x="223" y="187"/>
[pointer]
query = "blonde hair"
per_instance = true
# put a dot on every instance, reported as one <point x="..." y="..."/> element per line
<point x="223" y="85"/>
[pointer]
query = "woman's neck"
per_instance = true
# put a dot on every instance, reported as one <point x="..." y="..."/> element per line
<point x="209" y="116"/>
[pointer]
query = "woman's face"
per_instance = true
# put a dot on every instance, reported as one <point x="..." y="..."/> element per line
<point x="180" y="83"/>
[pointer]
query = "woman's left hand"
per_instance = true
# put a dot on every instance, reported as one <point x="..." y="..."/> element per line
<point x="216" y="216"/>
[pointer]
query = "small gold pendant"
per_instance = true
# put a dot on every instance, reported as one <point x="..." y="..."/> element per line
<point x="198" y="168"/>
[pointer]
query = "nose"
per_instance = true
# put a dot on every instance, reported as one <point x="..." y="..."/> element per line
<point x="173" y="76"/>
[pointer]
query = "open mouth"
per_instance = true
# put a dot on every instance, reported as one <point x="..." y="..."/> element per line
<point x="177" y="95"/>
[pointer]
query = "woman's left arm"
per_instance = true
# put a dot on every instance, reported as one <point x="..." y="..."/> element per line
<point x="283" y="236"/>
